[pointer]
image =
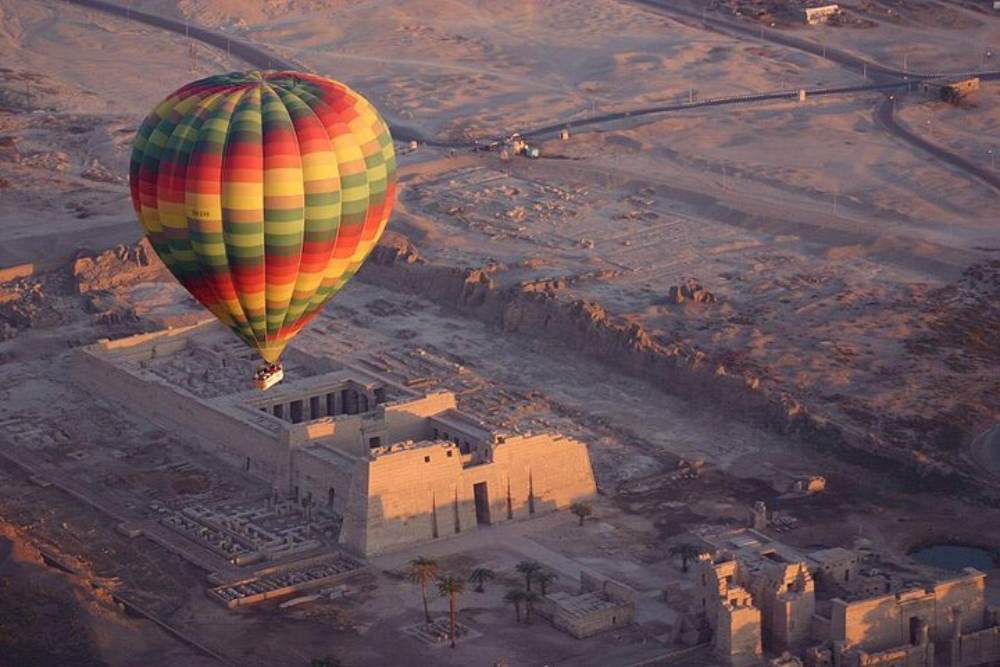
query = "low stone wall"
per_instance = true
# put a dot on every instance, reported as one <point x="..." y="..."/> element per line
<point x="181" y="413"/>
<point x="282" y="581"/>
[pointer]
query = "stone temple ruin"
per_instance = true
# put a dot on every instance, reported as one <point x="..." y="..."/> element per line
<point x="383" y="465"/>
<point x="759" y="595"/>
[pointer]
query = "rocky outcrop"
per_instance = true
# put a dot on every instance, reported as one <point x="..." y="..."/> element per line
<point x="539" y="309"/>
<point x="96" y="171"/>
<point x="21" y="303"/>
<point x="117" y="267"/>
<point x="691" y="291"/>
<point x="108" y="309"/>
<point x="394" y="248"/>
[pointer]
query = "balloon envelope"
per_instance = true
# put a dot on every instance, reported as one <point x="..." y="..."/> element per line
<point x="263" y="192"/>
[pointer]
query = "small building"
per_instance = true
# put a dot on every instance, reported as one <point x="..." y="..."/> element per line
<point x="834" y="567"/>
<point x="601" y="604"/>
<point x="817" y="15"/>
<point x="955" y="92"/>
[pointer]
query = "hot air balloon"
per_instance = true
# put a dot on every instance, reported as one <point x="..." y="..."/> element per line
<point x="263" y="193"/>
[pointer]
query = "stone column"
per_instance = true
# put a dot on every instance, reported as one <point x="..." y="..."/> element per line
<point x="838" y="653"/>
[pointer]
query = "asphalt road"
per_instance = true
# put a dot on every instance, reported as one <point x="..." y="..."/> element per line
<point x="885" y="116"/>
<point x="883" y="78"/>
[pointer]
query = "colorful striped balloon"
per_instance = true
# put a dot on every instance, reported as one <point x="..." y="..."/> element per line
<point x="263" y="193"/>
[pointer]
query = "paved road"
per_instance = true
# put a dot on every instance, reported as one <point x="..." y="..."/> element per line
<point x="885" y="117"/>
<point x="548" y="130"/>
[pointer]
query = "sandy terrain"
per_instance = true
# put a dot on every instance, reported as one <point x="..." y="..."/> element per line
<point x="916" y="35"/>
<point x="51" y="616"/>
<point x="78" y="112"/>
<point x="495" y="69"/>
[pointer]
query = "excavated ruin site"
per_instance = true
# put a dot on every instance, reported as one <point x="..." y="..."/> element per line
<point x="792" y="300"/>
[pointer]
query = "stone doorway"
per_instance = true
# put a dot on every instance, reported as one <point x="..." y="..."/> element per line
<point x="482" y="504"/>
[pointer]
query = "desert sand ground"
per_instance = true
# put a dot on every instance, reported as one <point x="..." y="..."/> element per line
<point x="846" y="323"/>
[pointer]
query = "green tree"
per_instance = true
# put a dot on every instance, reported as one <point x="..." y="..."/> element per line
<point x="544" y="578"/>
<point x="529" y="568"/>
<point x="686" y="552"/>
<point x="480" y="576"/>
<point x="530" y="598"/>
<point x="452" y="587"/>
<point x="581" y="510"/>
<point x="515" y="597"/>
<point x="423" y="571"/>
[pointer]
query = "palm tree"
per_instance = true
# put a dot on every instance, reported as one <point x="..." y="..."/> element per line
<point x="530" y="598"/>
<point x="480" y="576"/>
<point x="686" y="552"/>
<point x="581" y="510"/>
<point x="423" y="571"/>
<point x="544" y="578"/>
<point x="515" y="597"/>
<point x="529" y="568"/>
<point x="452" y="587"/>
